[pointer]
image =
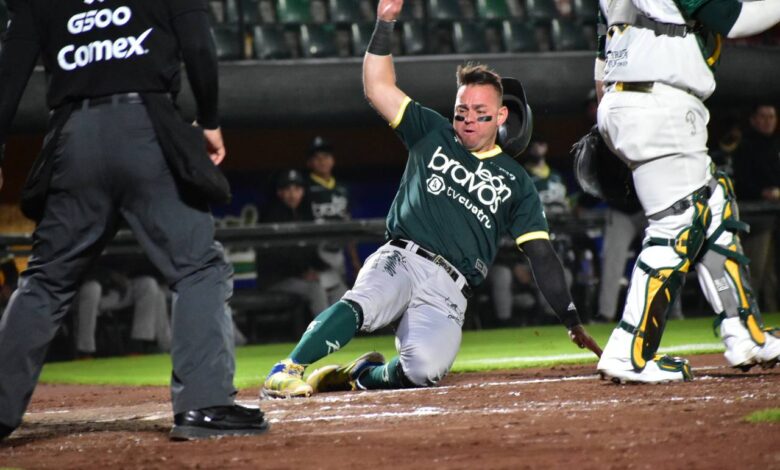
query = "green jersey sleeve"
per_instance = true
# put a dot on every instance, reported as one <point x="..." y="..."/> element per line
<point x="717" y="15"/>
<point x="528" y="221"/>
<point x="415" y="121"/>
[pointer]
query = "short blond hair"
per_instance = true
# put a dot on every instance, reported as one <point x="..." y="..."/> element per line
<point x="479" y="74"/>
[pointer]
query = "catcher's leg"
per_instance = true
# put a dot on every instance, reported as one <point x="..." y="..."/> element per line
<point x="673" y="240"/>
<point x="725" y="281"/>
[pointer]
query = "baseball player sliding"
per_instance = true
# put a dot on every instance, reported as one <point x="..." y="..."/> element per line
<point x="459" y="194"/>
<point x="654" y="72"/>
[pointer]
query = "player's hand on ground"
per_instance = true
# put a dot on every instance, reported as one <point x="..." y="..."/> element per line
<point x="388" y="10"/>
<point x="581" y="338"/>
<point x="215" y="145"/>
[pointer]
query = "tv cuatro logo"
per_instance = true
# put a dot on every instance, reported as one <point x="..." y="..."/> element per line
<point x="435" y="184"/>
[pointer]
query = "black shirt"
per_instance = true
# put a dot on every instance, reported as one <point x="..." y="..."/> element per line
<point x="93" y="48"/>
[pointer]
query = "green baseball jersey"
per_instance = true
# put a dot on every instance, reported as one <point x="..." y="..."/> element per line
<point x="329" y="200"/>
<point x="456" y="203"/>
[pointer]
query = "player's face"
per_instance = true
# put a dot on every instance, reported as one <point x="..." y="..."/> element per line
<point x="291" y="195"/>
<point x="321" y="164"/>
<point x="478" y="115"/>
<point x="764" y="120"/>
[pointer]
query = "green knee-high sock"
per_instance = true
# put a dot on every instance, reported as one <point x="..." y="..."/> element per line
<point x="329" y="332"/>
<point x="383" y="377"/>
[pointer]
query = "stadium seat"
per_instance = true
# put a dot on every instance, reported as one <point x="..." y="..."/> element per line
<point x="361" y="33"/>
<point x="231" y="11"/>
<point x="519" y="37"/>
<point x="293" y="11"/>
<point x="541" y="11"/>
<point x="270" y="43"/>
<point x="318" y="41"/>
<point x="444" y="10"/>
<point x="469" y="37"/>
<point x="413" y="10"/>
<point x="414" y="39"/>
<point x="586" y="11"/>
<point x="251" y="11"/>
<point x="568" y="36"/>
<point x="228" y="42"/>
<point x="492" y="9"/>
<point x="345" y="11"/>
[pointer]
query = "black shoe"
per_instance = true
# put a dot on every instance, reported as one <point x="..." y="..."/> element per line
<point x="5" y="431"/>
<point x="218" y="421"/>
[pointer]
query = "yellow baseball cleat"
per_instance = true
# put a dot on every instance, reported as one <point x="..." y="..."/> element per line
<point x="286" y="381"/>
<point x="338" y="379"/>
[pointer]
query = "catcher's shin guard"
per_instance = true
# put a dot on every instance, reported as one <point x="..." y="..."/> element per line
<point x="722" y="272"/>
<point x="659" y="290"/>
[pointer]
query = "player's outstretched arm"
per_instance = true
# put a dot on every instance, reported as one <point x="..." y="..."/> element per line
<point x="737" y="19"/>
<point x="379" y="83"/>
<point x="548" y="273"/>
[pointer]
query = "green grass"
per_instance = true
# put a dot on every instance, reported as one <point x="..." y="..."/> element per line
<point x="770" y="415"/>
<point x="480" y="350"/>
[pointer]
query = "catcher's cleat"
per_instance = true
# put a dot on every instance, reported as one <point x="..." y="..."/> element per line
<point x="661" y="369"/>
<point x="338" y="379"/>
<point x="285" y="381"/>
<point x="742" y="352"/>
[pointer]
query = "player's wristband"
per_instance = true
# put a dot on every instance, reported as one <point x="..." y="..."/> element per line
<point x="570" y="318"/>
<point x="381" y="40"/>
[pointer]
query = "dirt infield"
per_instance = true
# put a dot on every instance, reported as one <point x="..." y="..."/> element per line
<point x="533" y="418"/>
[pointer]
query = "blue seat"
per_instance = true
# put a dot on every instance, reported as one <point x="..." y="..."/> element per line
<point x="519" y="37"/>
<point x="270" y="42"/>
<point x="318" y="40"/>
<point x="568" y="36"/>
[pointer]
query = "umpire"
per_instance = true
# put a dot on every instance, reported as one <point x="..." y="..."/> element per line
<point x="116" y="147"/>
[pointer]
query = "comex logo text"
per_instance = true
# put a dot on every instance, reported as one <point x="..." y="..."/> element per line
<point x="72" y="57"/>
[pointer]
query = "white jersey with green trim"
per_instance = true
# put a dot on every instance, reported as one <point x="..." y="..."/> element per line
<point x="635" y="54"/>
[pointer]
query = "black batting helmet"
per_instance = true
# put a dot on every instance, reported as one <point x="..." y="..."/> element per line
<point x="515" y="134"/>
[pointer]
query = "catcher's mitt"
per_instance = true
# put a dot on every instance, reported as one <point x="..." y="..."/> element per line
<point x="601" y="174"/>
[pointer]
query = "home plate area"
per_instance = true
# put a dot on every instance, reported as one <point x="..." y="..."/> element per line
<point x="528" y="418"/>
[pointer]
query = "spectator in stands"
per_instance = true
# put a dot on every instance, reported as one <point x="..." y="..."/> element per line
<point x="107" y="289"/>
<point x="330" y="201"/>
<point x="757" y="178"/>
<point x="293" y="269"/>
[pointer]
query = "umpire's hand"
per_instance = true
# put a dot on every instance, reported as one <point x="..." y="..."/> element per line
<point x="388" y="10"/>
<point x="215" y="145"/>
<point x="581" y="338"/>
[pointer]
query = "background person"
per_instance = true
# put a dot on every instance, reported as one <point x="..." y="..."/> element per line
<point x="757" y="178"/>
<point x="112" y="115"/>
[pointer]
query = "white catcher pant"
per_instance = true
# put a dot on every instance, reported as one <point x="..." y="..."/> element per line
<point x="396" y="284"/>
<point x="662" y="136"/>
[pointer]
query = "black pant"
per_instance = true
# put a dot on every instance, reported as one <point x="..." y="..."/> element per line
<point x="108" y="162"/>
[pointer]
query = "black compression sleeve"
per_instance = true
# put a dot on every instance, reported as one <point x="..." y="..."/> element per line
<point x="17" y="61"/>
<point x="548" y="273"/>
<point x="200" y="59"/>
